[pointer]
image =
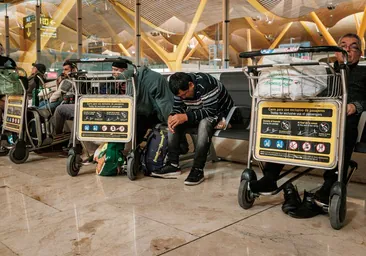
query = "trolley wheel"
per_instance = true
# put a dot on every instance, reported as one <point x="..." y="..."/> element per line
<point x="19" y="154"/>
<point x="73" y="164"/>
<point x="245" y="196"/>
<point x="3" y="151"/>
<point x="337" y="211"/>
<point x="131" y="168"/>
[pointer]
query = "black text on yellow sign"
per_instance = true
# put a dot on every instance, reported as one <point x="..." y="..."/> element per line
<point x="13" y="113"/>
<point x="297" y="133"/>
<point x="105" y="120"/>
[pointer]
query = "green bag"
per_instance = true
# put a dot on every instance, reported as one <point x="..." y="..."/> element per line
<point x="109" y="159"/>
<point x="10" y="83"/>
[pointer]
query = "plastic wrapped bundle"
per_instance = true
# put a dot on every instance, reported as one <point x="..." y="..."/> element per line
<point x="291" y="82"/>
<point x="10" y="83"/>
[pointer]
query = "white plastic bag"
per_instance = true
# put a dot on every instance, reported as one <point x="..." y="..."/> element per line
<point x="290" y="82"/>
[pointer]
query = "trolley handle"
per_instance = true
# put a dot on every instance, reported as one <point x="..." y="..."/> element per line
<point x="290" y="50"/>
<point x="78" y="73"/>
<point x="92" y="60"/>
<point x="98" y="60"/>
<point x="19" y="70"/>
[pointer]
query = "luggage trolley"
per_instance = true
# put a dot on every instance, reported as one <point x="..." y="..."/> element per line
<point x="102" y="114"/>
<point x="30" y="125"/>
<point x="305" y="132"/>
<point x="13" y="87"/>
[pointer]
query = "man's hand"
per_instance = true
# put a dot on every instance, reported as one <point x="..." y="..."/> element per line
<point x="170" y="124"/>
<point x="351" y="109"/>
<point x="175" y="120"/>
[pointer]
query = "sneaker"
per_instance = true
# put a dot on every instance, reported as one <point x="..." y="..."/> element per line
<point x="322" y="195"/>
<point x="307" y="209"/>
<point x="167" y="171"/>
<point x="292" y="198"/>
<point x="195" y="177"/>
<point x="265" y="184"/>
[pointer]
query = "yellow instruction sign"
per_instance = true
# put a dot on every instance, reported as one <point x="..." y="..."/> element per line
<point x="13" y="118"/>
<point x="105" y="119"/>
<point x="297" y="133"/>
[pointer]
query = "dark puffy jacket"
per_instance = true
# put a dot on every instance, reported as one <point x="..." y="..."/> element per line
<point x="153" y="94"/>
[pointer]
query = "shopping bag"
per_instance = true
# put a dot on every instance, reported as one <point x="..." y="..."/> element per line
<point x="109" y="159"/>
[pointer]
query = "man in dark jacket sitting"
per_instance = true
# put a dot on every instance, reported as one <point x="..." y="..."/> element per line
<point x="356" y="105"/>
<point x="38" y="69"/>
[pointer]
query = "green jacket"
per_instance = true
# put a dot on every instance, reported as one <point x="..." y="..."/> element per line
<point x="153" y="94"/>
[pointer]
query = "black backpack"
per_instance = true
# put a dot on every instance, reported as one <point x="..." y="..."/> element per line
<point x="156" y="149"/>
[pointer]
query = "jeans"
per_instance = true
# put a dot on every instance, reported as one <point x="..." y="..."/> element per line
<point x="204" y="132"/>
<point x="272" y="170"/>
<point x="62" y="113"/>
<point x="143" y="123"/>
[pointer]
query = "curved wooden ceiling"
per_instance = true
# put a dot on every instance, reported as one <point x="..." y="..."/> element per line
<point x="175" y="16"/>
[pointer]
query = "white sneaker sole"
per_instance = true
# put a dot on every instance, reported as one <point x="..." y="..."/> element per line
<point x="167" y="175"/>
<point x="190" y="183"/>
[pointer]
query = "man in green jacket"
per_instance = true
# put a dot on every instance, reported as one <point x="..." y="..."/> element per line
<point x="154" y="100"/>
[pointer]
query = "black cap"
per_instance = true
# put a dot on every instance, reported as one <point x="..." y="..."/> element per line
<point x="40" y="67"/>
<point x="119" y="64"/>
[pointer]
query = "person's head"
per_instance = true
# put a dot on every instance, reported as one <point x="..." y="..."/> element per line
<point x="68" y="67"/>
<point x="118" y="68"/>
<point x="181" y="85"/>
<point x="352" y="44"/>
<point x="38" y="67"/>
<point x="2" y="50"/>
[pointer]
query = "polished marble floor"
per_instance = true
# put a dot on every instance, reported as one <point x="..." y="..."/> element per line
<point x="43" y="211"/>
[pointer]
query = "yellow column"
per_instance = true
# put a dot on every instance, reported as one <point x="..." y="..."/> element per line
<point x="124" y="50"/>
<point x="280" y="36"/>
<point x="182" y="47"/>
<point x="129" y="11"/>
<point x="278" y="39"/>
<point x="249" y="45"/>
<point x="361" y="30"/>
<point x="154" y="46"/>
<point x="307" y="29"/>
<point x="62" y="10"/>
<point x="328" y="37"/>
<point x="200" y="41"/>
<point x="172" y="59"/>
<point x="252" y="25"/>
<point x="191" y="52"/>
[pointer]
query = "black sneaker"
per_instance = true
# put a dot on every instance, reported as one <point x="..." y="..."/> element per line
<point x="265" y="184"/>
<point x="307" y="209"/>
<point x="322" y="195"/>
<point x="167" y="171"/>
<point x="195" y="177"/>
<point x="292" y="198"/>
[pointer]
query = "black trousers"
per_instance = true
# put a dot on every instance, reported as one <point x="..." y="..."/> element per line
<point x="273" y="170"/>
<point x="143" y="123"/>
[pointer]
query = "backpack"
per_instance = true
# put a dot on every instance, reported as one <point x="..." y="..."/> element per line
<point x="156" y="149"/>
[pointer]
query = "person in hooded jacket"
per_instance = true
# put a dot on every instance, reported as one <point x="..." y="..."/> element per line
<point x="37" y="72"/>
